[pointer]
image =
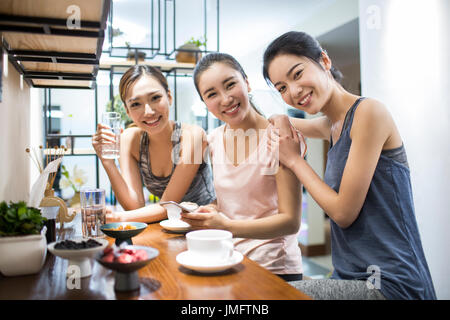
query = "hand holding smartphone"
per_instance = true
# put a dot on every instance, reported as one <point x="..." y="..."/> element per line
<point x="185" y="206"/>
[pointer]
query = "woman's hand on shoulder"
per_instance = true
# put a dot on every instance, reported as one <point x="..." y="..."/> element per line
<point x="318" y="128"/>
<point x="281" y="122"/>
<point x="286" y="147"/>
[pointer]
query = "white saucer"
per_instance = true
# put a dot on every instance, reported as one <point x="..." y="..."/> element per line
<point x="175" y="225"/>
<point x="187" y="260"/>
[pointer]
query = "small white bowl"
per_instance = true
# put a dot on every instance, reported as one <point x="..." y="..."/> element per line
<point x="79" y="258"/>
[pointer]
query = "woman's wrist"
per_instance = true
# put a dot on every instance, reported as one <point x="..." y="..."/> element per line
<point x="108" y="163"/>
<point x="119" y="216"/>
<point x="227" y="223"/>
<point x="114" y="216"/>
<point x="293" y="162"/>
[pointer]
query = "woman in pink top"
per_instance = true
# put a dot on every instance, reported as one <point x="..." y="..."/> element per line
<point x="258" y="201"/>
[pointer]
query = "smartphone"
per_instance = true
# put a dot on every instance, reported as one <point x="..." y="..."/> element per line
<point x="178" y="205"/>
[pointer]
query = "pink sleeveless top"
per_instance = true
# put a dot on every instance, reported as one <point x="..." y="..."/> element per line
<point x="249" y="191"/>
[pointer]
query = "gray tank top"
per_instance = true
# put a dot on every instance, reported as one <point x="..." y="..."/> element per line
<point x="397" y="154"/>
<point x="201" y="190"/>
<point x="384" y="237"/>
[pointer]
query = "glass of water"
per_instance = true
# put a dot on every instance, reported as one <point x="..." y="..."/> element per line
<point x="93" y="212"/>
<point x="113" y="121"/>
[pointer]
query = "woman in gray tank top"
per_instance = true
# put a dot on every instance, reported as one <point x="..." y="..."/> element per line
<point x="375" y="243"/>
<point x="165" y="156"/>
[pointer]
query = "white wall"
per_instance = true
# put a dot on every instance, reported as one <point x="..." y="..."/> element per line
<point x="14" y="138"/>
<point x="404" y="64"/>
<point x="36" y="130"/>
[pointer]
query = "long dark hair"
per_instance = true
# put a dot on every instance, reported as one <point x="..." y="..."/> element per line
<point x="299" y="44"/>
<point x="211" y="58"/>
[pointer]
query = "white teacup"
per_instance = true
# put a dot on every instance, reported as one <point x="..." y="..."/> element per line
<point x="210" y="245"/>
<point x="173" y="212"/>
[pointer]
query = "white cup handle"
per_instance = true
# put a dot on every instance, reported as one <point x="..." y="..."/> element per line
<point x="228" y="245"/>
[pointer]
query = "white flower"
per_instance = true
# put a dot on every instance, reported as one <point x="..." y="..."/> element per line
<point x="79" y="177"/>
<point x="76" y="181"/>
<point x="64" y="183"/>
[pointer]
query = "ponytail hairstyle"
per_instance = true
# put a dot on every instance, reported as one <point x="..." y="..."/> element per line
<point x="134" y="73"/>
<point x="208" y="60"/>
<point x="298" y="44"/>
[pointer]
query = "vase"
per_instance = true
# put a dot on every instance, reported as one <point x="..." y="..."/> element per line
<point x="131" y="55"/>
<point x="75" y="200"/>
<point x="22" y="255"/>
<point x="190" y="53"/>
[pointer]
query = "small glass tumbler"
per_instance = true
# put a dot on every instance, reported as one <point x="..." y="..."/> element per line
<point x="93" y="212"/>
<point x="113" y="121"/>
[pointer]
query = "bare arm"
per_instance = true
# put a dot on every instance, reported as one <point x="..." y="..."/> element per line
<point x="286" y="221"/>
<point x="369" y="133"/>
<point x="318" y="128"/>
<point x="183" y="175"/>
<point x="193" y="144"/>
<point x="127" y="185"/>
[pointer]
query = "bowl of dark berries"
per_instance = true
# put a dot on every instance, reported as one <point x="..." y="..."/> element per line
<point x="126" y="260"/>
<point x="78" y="251"/>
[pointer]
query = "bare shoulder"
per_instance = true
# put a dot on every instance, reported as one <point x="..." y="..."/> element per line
<point x="193" y="142"/>
<point x="130" y="139"/>
<point x="131" y="134"/>
<point x="372" y="109"/>
<point x="192" y="130"/>
<point x="373" y="116"/>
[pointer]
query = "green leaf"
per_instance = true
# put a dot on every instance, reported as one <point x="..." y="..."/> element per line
<point x="22" y="213"/>
<point x="18" y="219"/>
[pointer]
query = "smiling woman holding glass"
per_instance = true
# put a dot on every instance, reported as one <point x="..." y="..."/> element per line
<point x="158" y="152"/>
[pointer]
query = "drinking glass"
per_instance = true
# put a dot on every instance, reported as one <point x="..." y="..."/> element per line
<point x="113" y="121"/>
<point x="93" y="212"/>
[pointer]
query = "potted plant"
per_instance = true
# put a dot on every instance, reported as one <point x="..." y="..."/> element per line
<point x="116" y="105"/>
<point x="190" y="51"/>
<point x="23" y="246"/>
<point x="131" y="55"/>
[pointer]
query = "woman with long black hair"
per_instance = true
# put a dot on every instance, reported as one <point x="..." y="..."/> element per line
<point x="366" y="192"/>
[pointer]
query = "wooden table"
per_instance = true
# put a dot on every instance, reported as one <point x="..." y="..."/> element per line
<point x="163" y="278"/>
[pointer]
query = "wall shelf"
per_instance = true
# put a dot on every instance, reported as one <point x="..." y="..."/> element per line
<point x="73" y="152"/>
<point x="49" y="51"/>
<point x="164" y="66"/>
